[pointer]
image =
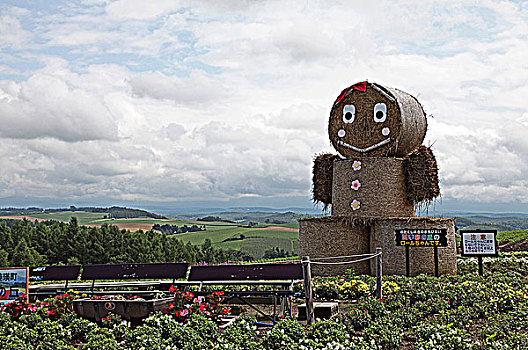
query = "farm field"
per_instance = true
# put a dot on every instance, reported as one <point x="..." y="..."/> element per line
<point x="251" y="240"/>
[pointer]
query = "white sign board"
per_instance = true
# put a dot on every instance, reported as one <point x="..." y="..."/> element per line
<point x="479" y="243"/>
<point x="13" y="283"/>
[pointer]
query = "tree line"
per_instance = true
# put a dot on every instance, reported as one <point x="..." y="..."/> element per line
<point x="23" y="243"/>
<point x="175" y="229"/>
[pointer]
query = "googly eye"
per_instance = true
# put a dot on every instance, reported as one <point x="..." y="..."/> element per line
<point x="349" y="114"/>
<point x="380" y="112"/>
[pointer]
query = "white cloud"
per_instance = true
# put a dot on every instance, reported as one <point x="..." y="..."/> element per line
<point x="140" y="10"/>
<point x="197" y="89"/>
<point x="12" y="35"/>
<point x="218" y="100"/>
<point x="46" y="106"/>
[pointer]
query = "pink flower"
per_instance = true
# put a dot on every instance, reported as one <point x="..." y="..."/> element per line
<point x="355" y="205"/>
<point x="356" y="165"/>
<point x="184" y="312"/>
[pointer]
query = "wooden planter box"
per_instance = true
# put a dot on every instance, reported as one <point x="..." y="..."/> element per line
<point x="131" y="310"/>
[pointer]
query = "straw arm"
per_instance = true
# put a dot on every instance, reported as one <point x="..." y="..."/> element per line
<point x="323" y="169"/>
<point x="421" y="176"/>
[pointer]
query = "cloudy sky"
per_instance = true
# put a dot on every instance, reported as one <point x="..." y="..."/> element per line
<point x="173" y="102"/>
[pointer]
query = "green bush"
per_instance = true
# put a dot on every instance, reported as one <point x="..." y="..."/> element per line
<point x="80" y="328"/>
<point x="186" y="338"/>
<point x="207" y="329"/>
<point x="286" y="335"/>
<point x="143" y="336"/>
<point x="241" y="335"/>
<point x="101" y="341"/>
<point x="432" y="335"/>
<point x="328" y="331"/>
<point x="356" y="319"/>
<point x="386" y="333"/>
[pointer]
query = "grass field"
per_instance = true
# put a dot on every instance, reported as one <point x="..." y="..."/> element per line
<point x="512" y="236"/>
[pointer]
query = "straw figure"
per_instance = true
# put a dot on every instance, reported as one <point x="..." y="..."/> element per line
<point x="379" y="130"/>
<point x="381" y="175"/>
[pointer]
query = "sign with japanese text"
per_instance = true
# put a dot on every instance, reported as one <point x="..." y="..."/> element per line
<point x="413" y="237"/>
<point x="13" y="283"/>
<point x="479" y="243"/>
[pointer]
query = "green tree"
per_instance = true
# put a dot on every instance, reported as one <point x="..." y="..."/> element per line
<point x="24" y="255"/>
<point x="4" y="261"/>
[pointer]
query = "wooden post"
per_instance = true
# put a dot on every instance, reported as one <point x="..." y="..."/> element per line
<point x="307" y="273"/>
<point x="481" y="269"/>
<point x="379" y="273"/>
<point x="407" y="262"/>
<point x="436" y="268"/>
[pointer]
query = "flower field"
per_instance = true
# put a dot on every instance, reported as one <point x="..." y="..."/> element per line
<point x="463" y="311"/>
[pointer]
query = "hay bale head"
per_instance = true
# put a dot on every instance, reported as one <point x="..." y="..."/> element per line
<point x="369" y="120"/>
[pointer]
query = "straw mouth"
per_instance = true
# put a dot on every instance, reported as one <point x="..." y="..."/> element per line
<point x="363" y="150"/>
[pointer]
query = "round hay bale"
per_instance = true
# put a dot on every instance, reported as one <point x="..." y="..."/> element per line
<point x="369" y="120"/>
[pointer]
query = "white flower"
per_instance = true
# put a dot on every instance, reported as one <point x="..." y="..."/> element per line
<point x="355" y="185"/>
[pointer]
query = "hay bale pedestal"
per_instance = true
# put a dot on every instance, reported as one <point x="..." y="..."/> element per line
<point x="343" y="236"/>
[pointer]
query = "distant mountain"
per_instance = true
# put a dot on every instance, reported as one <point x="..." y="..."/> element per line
<point x="113" y="212"/>
<point x="499" y="222"/>
<point x="196" y="212"/>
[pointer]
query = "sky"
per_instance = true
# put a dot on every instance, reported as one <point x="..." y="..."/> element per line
<point x="224" y="103"/>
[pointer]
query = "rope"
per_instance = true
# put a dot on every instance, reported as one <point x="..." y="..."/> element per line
<point x="341" y="257"/>
<point x="345" y="262"/>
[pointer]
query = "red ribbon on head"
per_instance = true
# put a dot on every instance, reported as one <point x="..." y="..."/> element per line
<point x="358" y="86"/>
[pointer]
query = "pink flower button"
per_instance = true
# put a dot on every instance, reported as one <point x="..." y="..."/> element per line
<point x="356" y="165"/>
<point x="355" y="205"/>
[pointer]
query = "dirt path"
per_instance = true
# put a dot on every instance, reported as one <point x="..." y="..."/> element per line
<point x="21" y="217"/>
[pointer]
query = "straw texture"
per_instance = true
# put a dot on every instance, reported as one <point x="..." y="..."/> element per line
<point x="382" y="190"/>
